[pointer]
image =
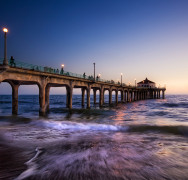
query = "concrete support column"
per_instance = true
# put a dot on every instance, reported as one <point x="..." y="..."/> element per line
<point x="15" y="99"/>
<point x="122" y="96"/>
<point x="147" y="94"/>
<point x="138" y="98"/>
<point x="137" y="95"/>
<point x="140" y="94"/>
<point x="101" y="97"/>
<point x="134" y="95"/>
<point x="116" y="96"/>
<point x="42" y="102"/>
<point x="131" y="93"/>
<point x="88" y="97"/>
<point x="125" y="96"/>
<point x="163" y="95"/>
<point x="144" y="95"/>
<point x="83" y="97"/>
<point x="110" y="96"/>
<point x="135" y="98"/>
<point x="69" y="97"/>
<point x="47" y="96"/>
<point x="154" y="94"/>
<point x="94" y="96"/>
<point x="159" y="94"/>
<point x="128" y="96"/>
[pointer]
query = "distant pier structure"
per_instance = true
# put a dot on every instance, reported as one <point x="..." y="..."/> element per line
<point x="18" y="73"/>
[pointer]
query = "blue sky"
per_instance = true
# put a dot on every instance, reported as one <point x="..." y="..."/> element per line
<point x="139" y="38"/>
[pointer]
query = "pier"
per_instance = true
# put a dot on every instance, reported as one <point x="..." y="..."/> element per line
<point x="20" y="73"/>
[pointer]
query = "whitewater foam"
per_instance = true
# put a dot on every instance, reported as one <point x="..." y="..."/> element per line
<point x="64" y="125"/>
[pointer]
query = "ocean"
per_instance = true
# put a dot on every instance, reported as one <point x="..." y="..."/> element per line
<point x="142" y="140"/>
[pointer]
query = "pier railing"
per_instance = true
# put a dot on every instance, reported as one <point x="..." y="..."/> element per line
<point x="19" y="64"/>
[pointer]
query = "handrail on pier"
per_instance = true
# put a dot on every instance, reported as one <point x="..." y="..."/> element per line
<point x="19" y="64"/>
<point x="47" y="69"/>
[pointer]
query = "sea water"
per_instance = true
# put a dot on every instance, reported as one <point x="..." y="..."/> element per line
<point x="145" y="139"/>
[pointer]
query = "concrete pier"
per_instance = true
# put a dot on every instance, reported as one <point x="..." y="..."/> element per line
<point x="44" y="80"/>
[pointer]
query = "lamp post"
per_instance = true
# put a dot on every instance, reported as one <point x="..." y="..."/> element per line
<point x="5" y="61"/>
<point x="94" y="71"/>
<point x="121" y="78"/>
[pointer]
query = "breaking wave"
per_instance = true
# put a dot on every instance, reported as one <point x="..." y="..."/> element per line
<point x="64" y="125"/>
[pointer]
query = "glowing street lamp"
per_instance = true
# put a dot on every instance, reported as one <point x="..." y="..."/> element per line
<point x="5" y="61"/>
<point x="5" y="30"/>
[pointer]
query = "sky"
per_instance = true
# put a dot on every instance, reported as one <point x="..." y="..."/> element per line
<point x="139" y="38"/>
